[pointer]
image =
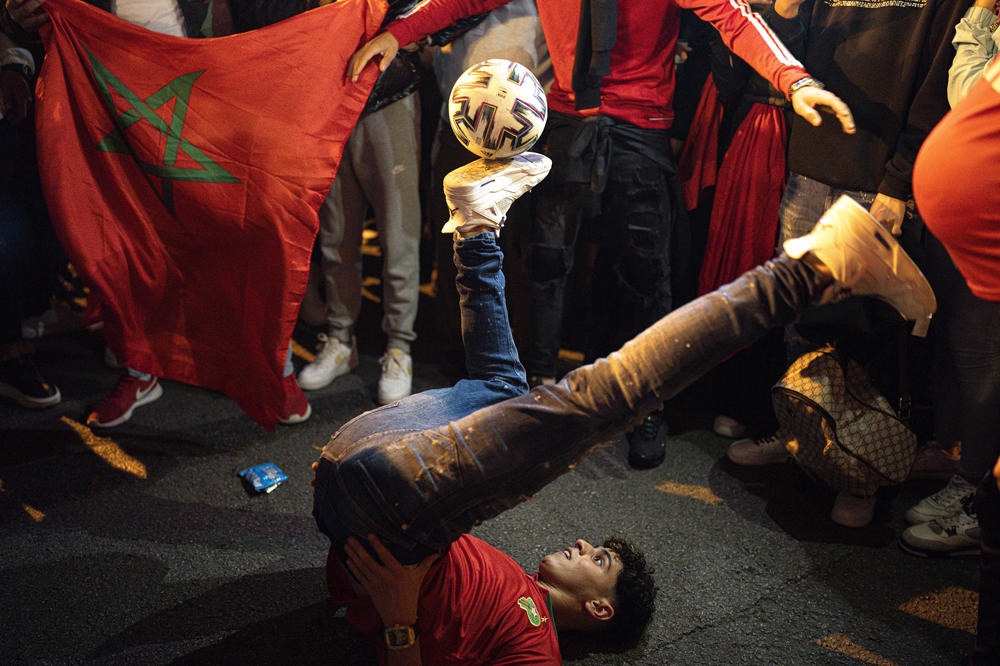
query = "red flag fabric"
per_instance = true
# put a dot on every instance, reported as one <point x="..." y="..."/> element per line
<point x="751" y="180"/>
<point x="184" y="178"/>
<point x="698" y="161"/>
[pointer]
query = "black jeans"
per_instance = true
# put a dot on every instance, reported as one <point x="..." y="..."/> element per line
<point x="620" y="181"/>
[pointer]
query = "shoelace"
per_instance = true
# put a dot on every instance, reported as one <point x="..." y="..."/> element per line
<point x="392" y="365"/>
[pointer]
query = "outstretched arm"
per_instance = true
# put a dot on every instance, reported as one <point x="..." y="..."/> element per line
<point x="427" y="19"/>
<point x="747" y="35"/>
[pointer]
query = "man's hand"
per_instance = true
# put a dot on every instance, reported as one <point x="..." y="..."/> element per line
<point x="27" y="13"/>
<point x="807" y="98"/>
<point x="889" y="212"/>
<point x="394" y="589"/>
<point x="382" y="44"/>
<point x="15" y="96"/>
<point x="787" y="9"/>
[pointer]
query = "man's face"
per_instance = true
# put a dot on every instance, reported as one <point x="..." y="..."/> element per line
<point x="582" y="570"/>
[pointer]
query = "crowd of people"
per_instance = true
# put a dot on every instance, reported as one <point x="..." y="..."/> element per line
<point x="685" y="163"/>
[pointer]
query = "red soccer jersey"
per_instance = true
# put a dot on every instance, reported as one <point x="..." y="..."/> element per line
<point x="957" y="189"/>
<point x="477" y="606"/>
<point x="640" y="87"/>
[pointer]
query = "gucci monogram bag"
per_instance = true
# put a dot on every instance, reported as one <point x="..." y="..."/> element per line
<point x="839" y="427"/>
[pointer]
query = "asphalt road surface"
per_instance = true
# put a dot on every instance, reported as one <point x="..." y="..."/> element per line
<point x="141" y="546"/>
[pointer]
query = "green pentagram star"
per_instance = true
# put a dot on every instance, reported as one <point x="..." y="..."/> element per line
<point x="208" y="170"/>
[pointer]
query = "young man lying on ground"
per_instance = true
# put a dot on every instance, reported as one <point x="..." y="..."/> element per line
<point x="411" y="478"/>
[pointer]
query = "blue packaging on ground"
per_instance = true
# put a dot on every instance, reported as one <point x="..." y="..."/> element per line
<point x="264" y="478"/>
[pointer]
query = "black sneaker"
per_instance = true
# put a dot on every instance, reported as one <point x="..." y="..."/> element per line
<point x="20" y="381"/>
<point x="646" y="447"/>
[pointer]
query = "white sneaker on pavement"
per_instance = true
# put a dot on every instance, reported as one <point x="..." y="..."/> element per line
<point x="942" y="504"/>
<point x="864" y="259"/>
<point x="396" y="380"/>
<point x="333" y="360"/>
<point x="480" y="193"/>
<point x="954" y="536"/>
<point x="761" y="451"/>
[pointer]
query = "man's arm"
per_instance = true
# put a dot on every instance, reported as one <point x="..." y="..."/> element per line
<point x="394" y="590"/>
<point x="929" y="105"/>
<point x="749" y="37"/>
<point x="426" y="19"/>
<point x="974" y="46"/>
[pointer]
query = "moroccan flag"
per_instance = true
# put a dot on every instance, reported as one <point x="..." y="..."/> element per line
<point x="184" y="178"/>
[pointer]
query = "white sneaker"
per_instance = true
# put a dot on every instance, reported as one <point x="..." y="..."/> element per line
<point x="396" y="380"/>
<point x="480" y="193"/>
<point x="942" y="504"/>
<point x="761" y="451"/>
<point x="956" y="535"/>
<point x="333" y="360"/>
<point x="864" y="259"/>
<point x="853" y="510"/>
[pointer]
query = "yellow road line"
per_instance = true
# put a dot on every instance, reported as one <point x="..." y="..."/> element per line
<point x="951" y="607"/>
<point x="844" y="645"/>
<point x="699" y="493"/>
<point x="107" y="450"/>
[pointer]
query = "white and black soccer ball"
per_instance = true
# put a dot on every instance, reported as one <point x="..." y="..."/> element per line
<point x="497" y="108"/>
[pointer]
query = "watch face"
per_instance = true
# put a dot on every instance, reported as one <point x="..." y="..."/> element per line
<point x="399" y="636"/>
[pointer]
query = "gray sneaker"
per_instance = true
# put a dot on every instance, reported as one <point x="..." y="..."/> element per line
<point x="945" y="503"/>
<point x="480" y="193"/>
<point x="865" y="260"/>
<point x="954" y="536"/>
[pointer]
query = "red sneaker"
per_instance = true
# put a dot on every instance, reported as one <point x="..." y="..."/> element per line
<point x="296" y="408"/>
<point x="130" y="392"/>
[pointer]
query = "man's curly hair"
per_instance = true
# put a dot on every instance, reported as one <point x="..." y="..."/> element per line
<point x="635" y="594"/>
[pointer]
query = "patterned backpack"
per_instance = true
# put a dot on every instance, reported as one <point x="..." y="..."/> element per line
<point x="839" y="427"/>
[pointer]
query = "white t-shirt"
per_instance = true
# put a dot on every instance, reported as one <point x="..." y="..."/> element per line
<point x="157" y="15"/>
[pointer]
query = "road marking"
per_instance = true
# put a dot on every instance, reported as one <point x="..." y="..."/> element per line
<point x="107" y="450"/>
<point x="951" y="607"/>
<point x="699" y="493"/>
<point x="844" y="645"/>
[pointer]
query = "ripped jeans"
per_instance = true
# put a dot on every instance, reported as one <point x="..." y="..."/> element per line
<point x="421" y="472"/>
<point x="615" y="184"/>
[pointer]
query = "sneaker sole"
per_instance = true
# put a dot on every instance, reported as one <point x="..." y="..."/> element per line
<point x="298" y="418"/>
<point x="864" y="236"/>
<point x="27" y="401"/>
<point x="474" y="180"/>
<point x="969" y="551"/>
<point x="144" y="400"/>
<point x="306" y="385"/>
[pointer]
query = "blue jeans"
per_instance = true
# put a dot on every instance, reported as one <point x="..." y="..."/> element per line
<point x="422" y="471"/>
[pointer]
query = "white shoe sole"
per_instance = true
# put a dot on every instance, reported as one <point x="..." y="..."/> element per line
<point x="477" y="181"/>
<point x="27" y="401"/>
<point x="856" y="232"/>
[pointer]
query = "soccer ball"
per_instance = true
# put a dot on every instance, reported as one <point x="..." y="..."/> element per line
<point x="497" y="108"/>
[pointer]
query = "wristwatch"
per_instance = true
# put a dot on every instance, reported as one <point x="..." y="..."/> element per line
<point x="804" y="82"/>
<point x="20" y="68"/>
<point x="400" y="636"/>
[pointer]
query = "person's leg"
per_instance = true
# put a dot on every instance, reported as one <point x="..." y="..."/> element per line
<point x="987" y="648"/>
<point x="343" y="208"/>
<point x="389" y="175"/>
<point x="559" y="211"/>
<point x="490" y="353"/>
